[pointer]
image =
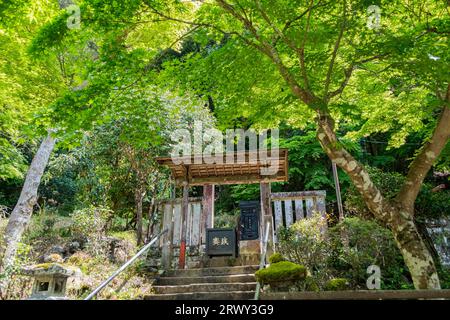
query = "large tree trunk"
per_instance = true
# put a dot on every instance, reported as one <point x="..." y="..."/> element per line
<point x="414" y="250"/>
<point x="398" y="218"/>
<point x="21" y="215"/>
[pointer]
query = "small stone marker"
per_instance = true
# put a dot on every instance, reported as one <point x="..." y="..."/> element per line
<point x="50" y="280"/>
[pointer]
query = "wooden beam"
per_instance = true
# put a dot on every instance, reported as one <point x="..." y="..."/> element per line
<point x="297" y="195"/>
<point x="233" y="179"/>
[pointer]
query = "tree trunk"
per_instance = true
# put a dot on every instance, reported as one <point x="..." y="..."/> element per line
<point x="21" y="215"/>
<point x="391" y="213"/>
<point x="414" y="250"/>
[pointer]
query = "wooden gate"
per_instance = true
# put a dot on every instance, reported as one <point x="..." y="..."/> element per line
<point x="289" y="207"/>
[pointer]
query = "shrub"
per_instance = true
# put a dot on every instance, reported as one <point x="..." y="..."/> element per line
<point x="281" y="271"/>
<point x="91" y="223"/>
<point x="276" y="257"/>
<point x="337" y="284"/>
<point x="305" y="242"/>
<point x="368" y="244"/>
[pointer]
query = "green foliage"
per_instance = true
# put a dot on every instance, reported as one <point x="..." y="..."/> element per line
<point x="280" y="272"/>
<point x="368" y="244"/>
<point x="337" y="284"/>
<point x="428" y="204"/>
<point x="91" y="224"/>
<point x="305" y="243"/>
<point x="276" y="257"/>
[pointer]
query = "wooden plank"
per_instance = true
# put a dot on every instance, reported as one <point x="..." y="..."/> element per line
<point x="288" y="212"/>
<point x="309" y="203"/>
<point x="235" y="179"/>
<point x="184" y="215"/>
<point x="177" y="224"/>
<point x="178" y="200"/>
<point x="298" y="209"/>
<point x="321" y="205"/>
<point x="358" y="295"/>
<point x="297" y="195"/>
<point x="196" y="217"/>
<point x="166" y="252"/>
<point x="189" y="225"/>
<point x="278" y="215"/>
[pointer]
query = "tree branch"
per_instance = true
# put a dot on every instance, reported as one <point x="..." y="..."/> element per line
<point x="424" y="160"/>
<point x="334" y="54"/>
<point x="272" y="53"/>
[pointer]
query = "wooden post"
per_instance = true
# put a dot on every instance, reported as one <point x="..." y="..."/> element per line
<point x="266" y="216"/>
<point x="338" y="192"/>
<point x="184" y="214"/>
<point x="207" y="220"/>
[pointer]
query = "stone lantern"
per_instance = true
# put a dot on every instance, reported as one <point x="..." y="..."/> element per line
<point x="50" y="280"/>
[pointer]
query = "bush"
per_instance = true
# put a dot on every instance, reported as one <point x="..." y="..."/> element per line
<point x="305" y="243"/>
<point x="337" y="284"/>
<point x="280" y="272"/>
<point x="368" y="244"/>
<point x="91" y="223"/>
<point x="276" y="257"/>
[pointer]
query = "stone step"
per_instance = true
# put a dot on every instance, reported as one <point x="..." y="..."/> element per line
<point x="231" y="295"/>
<point x="206" y="287"/>
<point x="174" y="281"/>
<point x="216" y="271"/>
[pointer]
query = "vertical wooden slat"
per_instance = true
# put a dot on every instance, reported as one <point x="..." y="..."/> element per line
<point x="309" y="206"/>
<point x="288" y="212"/>
<point x="278" y="215"/>
<point x="298" y="209"/>
<point x="184" y="215"/>
<point x="207" y="220"/>
<point x="197" y="210"/>
<point x="321" y="206"/>
<point x="166" y="254"/>
<point x="177" y="224"/>
<point x="189" y="225"/>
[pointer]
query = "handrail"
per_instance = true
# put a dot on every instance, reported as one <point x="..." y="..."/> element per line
<point x="124" y="266"/>
<point x="262" y="263"/>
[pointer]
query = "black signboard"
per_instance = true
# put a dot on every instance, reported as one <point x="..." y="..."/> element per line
<point x="249" y="221"/>
<point x="221" y="242"/>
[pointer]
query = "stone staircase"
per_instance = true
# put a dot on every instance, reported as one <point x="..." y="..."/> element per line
<point x="214" y="283"/>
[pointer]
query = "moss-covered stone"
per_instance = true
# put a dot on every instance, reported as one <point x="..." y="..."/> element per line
<point x="276" y="257"/>
<point x="337" y="284"/>
<point x="281" y="272"/>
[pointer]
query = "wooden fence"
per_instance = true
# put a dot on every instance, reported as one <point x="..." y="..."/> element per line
<point x="289" y="207"/>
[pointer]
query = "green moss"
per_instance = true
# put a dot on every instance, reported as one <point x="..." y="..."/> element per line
<point x="311" y="284"/>
<point x="276" y="257"/>
<point x="281" y="271"/>
<point x="45" y="266"/>
<point x="337" y="284"/>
